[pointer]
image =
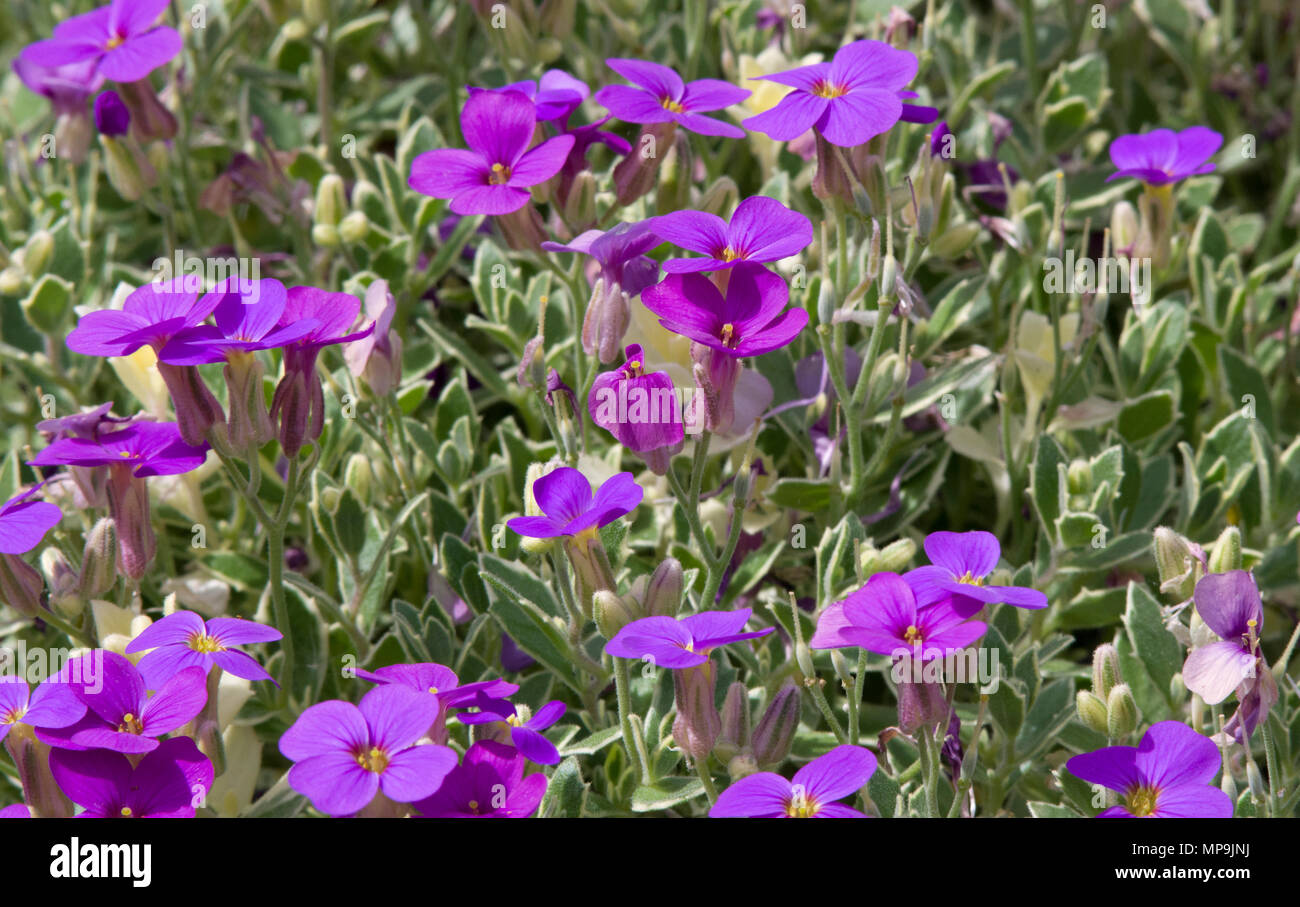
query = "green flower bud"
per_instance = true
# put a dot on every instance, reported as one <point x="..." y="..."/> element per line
<point x="774" y="733"/>
<point x="888" y="275"/>
<point x="580" y="204"/>
<point x="720" y="198"/>
<point x="1255" y="780"/>
<point x="98" y="561"/>
<point x="357" y="476"/>
<point x="557" y="17"/>
<point x="734" y="736"/>
<point x="1079" y="477"/>
<point x="1123" y="228"/>
<point x="825" y="303"/>
<point x="955" y="241"/>
<point x="1228" y="785"/>
<point x="61" y="580"/>
<point x="354" y="228"/>
<point x="663" y="596"/>
<point x="535" y="472"/>
<point x="1177" y="689"/>
<point x="842" y="668"/>
<point x="897" y="555"/>
<point x="128" y="172"/>
<point x="1121" y="712"/>
<point x="1226" y="553"/>
<point x="330" y="200"/>
<point x="741" y="766"/>
<point x="611" y="612"/>
<point x="1176" y="564"/>
<point x="37" y="252"/>
<point x="295" y="30"/>
<point x="1092" y="711"/>
<point x="325" y="236"/>
<point x="1105" y="670"/>
<point x="12" y="281"/>
<point x="803" y="657"/>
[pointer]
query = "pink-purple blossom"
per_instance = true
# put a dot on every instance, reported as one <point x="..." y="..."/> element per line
<point x="165" y="784"/>
<point x="884" y="617"/>
<point x="660" y="96"/>
<point x="570" y="509"/>
<point x="812" y="793"/>
<point x="682" y="643"/>
<point x="123" y="40"/>
<point x="761" y="229"/>
<point x="183" y="639"/>
<point x="1163" y="156"/>
<point x="961" y="563"/>
<point x="489" y="783"/>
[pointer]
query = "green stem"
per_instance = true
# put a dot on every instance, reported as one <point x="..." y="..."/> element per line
<point x="621" y="681"/>
<point x="710" y="789"/>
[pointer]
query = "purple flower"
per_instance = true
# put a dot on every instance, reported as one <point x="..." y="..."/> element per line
<point x="859" y="94"/>
<point x="620" y="252"/>
<point x="937" y="138"/>
<point x="513" y="658"/>
<point x="565" y="498"/>
<point x="146" y="448"/>
<point x="961" y="562"/>
<point x="17" y="811"/>
<point x="490" y="783"/>
<point x="810" y="794"/>
<point x="111" y="116"/>
<point x="494" y="175"/>
<point x="1164" y="156"/>
<point x="120" y="38"/>
<point x="441" y="682"/>
<point x="24" y="522"/>
<point x="150" y="316"/>
<point x="884" y="617"/>
<point x="526" y="732"/>
<point x="557" y="96"/>
<point x="67" y="86"/>
<point x="1229" y="604"/>
<point x="120" y="715"/>
<point x="1166" y="776"/>
<point x="344" y="754"/>
<point x="638" y="408"/>
<point x="662" y="97"/>
<point x="248" y="319"/>
<point x="761" y="229"/>
<point x="52" y="704"/>
<point x="749" y="321"/>
<point x="182" y="640"/>
<point x="685" y="643"/>
<point x="164" y="785"/>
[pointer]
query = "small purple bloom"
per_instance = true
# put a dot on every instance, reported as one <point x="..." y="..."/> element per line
<point x="565" y="498"/>
<point x="620" y="252"/>
<point x="1166" y="776"/>
<point x="441" y="682"/>
<point x="513" y="658"/>
<point x="1164" y="156"/>
<point x="121" y="38"/>
<point x="686" y="643"/>
<point x="52" y="704"/>
<point x="662" y="97"/>
<point x="938" y="139"/>
<point x="111" y="116"/>
<point x="811" y="794"/>
<point x="750" y="320"/>
<point x="961" y="561"/>
<point x="490" y="783"/>
<point x="17" y="811"/>
<point x="856" y="96"/>
<point x="492" y="177"/>
<point x="182" y="640"/>
<point x="148" y="448"/>
<point x="555" y="98"/>
<point x="164" y="785"/>
<point x="637" y="407"/>
<point x="248" y="319"/>
<point x="345" y="754"/>
<point x="150" y="316"/>
<point x="525" y="734"/>
<point x="67" y="86"/>
<point x="761" y="229"/>
<point x="24" y="522"/>
<point x="1229" y="604"/>
<point x="120" y="715"/>
<point x="884" y="617"/>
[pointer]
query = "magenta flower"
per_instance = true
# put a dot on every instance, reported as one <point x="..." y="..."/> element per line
<point x="492" y="177"/>
<point x="165" y="784"/>
<point x="662" y="97"/>
<point x="17" y="811"/>
<point x="1166" y="776"/>
<point x="761" y="229"/>
<point x="961" y="562"/>
<point x="248" y="319"/>
<point x="570" y="509"/>
<point x="750" y="320"/>
<point x="143" y="448"/>
<point x="556" y="96"/>
<point x="24" y="522"/>
<point x="884" y="617"/>
<point x="51" y="705"/>
<point x="1163" y="156"/>
<point x="857" y="95"/>
<point x="345" y="754"/>
<point x="429" y="678"/>
<point x="525" y="733"/>
<point x="638" y="408"/>
<point x="490" y="783"/>
<point x="620" y="252"/>
<point x="120" y="715"/>
<point x="121" y="38"/>
<point x="686" y="643"/>
<point x="182" y="640"/>
<point x="150" y="316"/>
<point x="1229" y="604"/>
<point x="810" y="794"/>
<point x="67" y="86"/>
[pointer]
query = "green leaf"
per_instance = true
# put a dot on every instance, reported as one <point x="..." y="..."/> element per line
<point x="566" y="792"/>
<point x="534" y="634"/>
<point x="522" y="582"/>
<point x="809" y="495"/>
<point x="1064" y="120"/>
<point x="48" y="303"/>
<point x="1247" y="387"/>
<point x="883" y="791"/>
<point x="350" y="524"/>
<point x="1047" y="484"/>
<point x="593" y="743"/>
<point x="1143" y="417"/>
<point x="665" y="794"/>
<point x="1154" y="645"/>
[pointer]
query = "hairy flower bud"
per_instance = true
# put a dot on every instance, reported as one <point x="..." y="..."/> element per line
<point x="897" y="555"/>
<point x="1176" y="563"/>
<point x="1226" y="553"/>
<point x="1121" y="711"/>
<point x="774" y="733"/>
<point x="663" y="594"/>
<point x="354" y="228"/>
<point x="250" y="422"/>
<point x="330" y="201"/>
<point x="21" y="585"/>
<point x="128" y="502"/>
<point x="734" y="736"/>
<point x="98" y="560"/>
<point x="803" y="658"/>
<point x="635" y="174"/>
<point x="1105" y="670"/>
<point x="61" y="580"/>
<point x="197" y="410"/>
<point x="698" y="723"/>
<point x="1092" y="711"/>
<point x="611" y="612"/>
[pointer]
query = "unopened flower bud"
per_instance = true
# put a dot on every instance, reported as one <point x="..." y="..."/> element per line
<point x="531" y="508"/>
<point x="1092" y="711"/>
<point x="1229" y="786"/>
<point x="741" y="765"/>
<point x="1176" y="564"/>
<point x="61" y="580"/>
<point x="803" y="658"/>
<point x="1079" y="477"/>
<point x="720" y="198"/>
<point x="774" y="733"/>
<point x="888" y="276"/>
<point x="532" y="365"/>
<point x="1226" y="553"/>
<point x="842" y="668"/>
<point x="1105" y="670"/>
<point x="734" y="736"/>
<point x="98" y="560"/>
<point x="611" y="612"/>
<point x="1121" y="711"/>
<point x="873" y="252"/>
<point x="698" y="723"/>
<point x="330" y="200"/>
<point x="580" y="203"/>
<point x="354" y="228"/>
<point x="357" y="476"/>
<point x="326" y="236"/>
<point x="21" y="585"/>
<point x="37" y="252"/>
<point x="128" y="172"/>
<point x="1255" y="780"/>
<point x="1123" y="228"/>
<point x="128" y="502"/>
<point x="825" y="303"/>
<point x="12" y="281"/>
<point x="1177" y="688"/>
<point x="663" y="595"/>
<point x="897" y="555"/>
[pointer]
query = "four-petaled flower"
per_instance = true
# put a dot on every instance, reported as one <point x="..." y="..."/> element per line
<point x="121" y="38"/>
<point x="525" y="731"/>
<point x="1163" y="156"/>
<point x="662" y="97"/>
<point x="490" y="783"/>
<point x="168" y="783"/>
<point x="1166" y="776"/>
<point x="1229" y="604"/>
<point x="51" y="704"/>
<point x="761" y="229"/>
<point x="24" y="522"/>
<point x="686" y="643"/>
<point x="811" y="794"/>
<point x="884" y="617"/>
<point x="182" y="640"/>
<point x="961" y="562"/>
<point x="571" y="510"/>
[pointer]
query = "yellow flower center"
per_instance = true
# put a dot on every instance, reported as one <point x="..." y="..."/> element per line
<point x="13" y="716"/>
<point x="801" y="806"/>
<point x="202" y="642"/>
<point x="376" y="760"/>
<point x="829" y="90"/>
<point x="513" y="721"/>
<point x="473" y="806"/>
<point x="126" y="812"/>
<point x="970" y="580"/>
<point x="730" y="254"/>
<point x="729" y="334"/>
<point x="130" y="725"/>
<point x="670" y="104"/>
<point x="124" y="453"/>
<point x="433" y="690"/>
<point x="913" y="634"/>
<point x="1142" y="800"/>
<point x="114" y="42"/>
<point x="499" y="176"/>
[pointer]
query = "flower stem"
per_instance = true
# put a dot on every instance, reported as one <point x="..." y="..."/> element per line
<point x="622" y="681"/>
<point x="710" y="789"/>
